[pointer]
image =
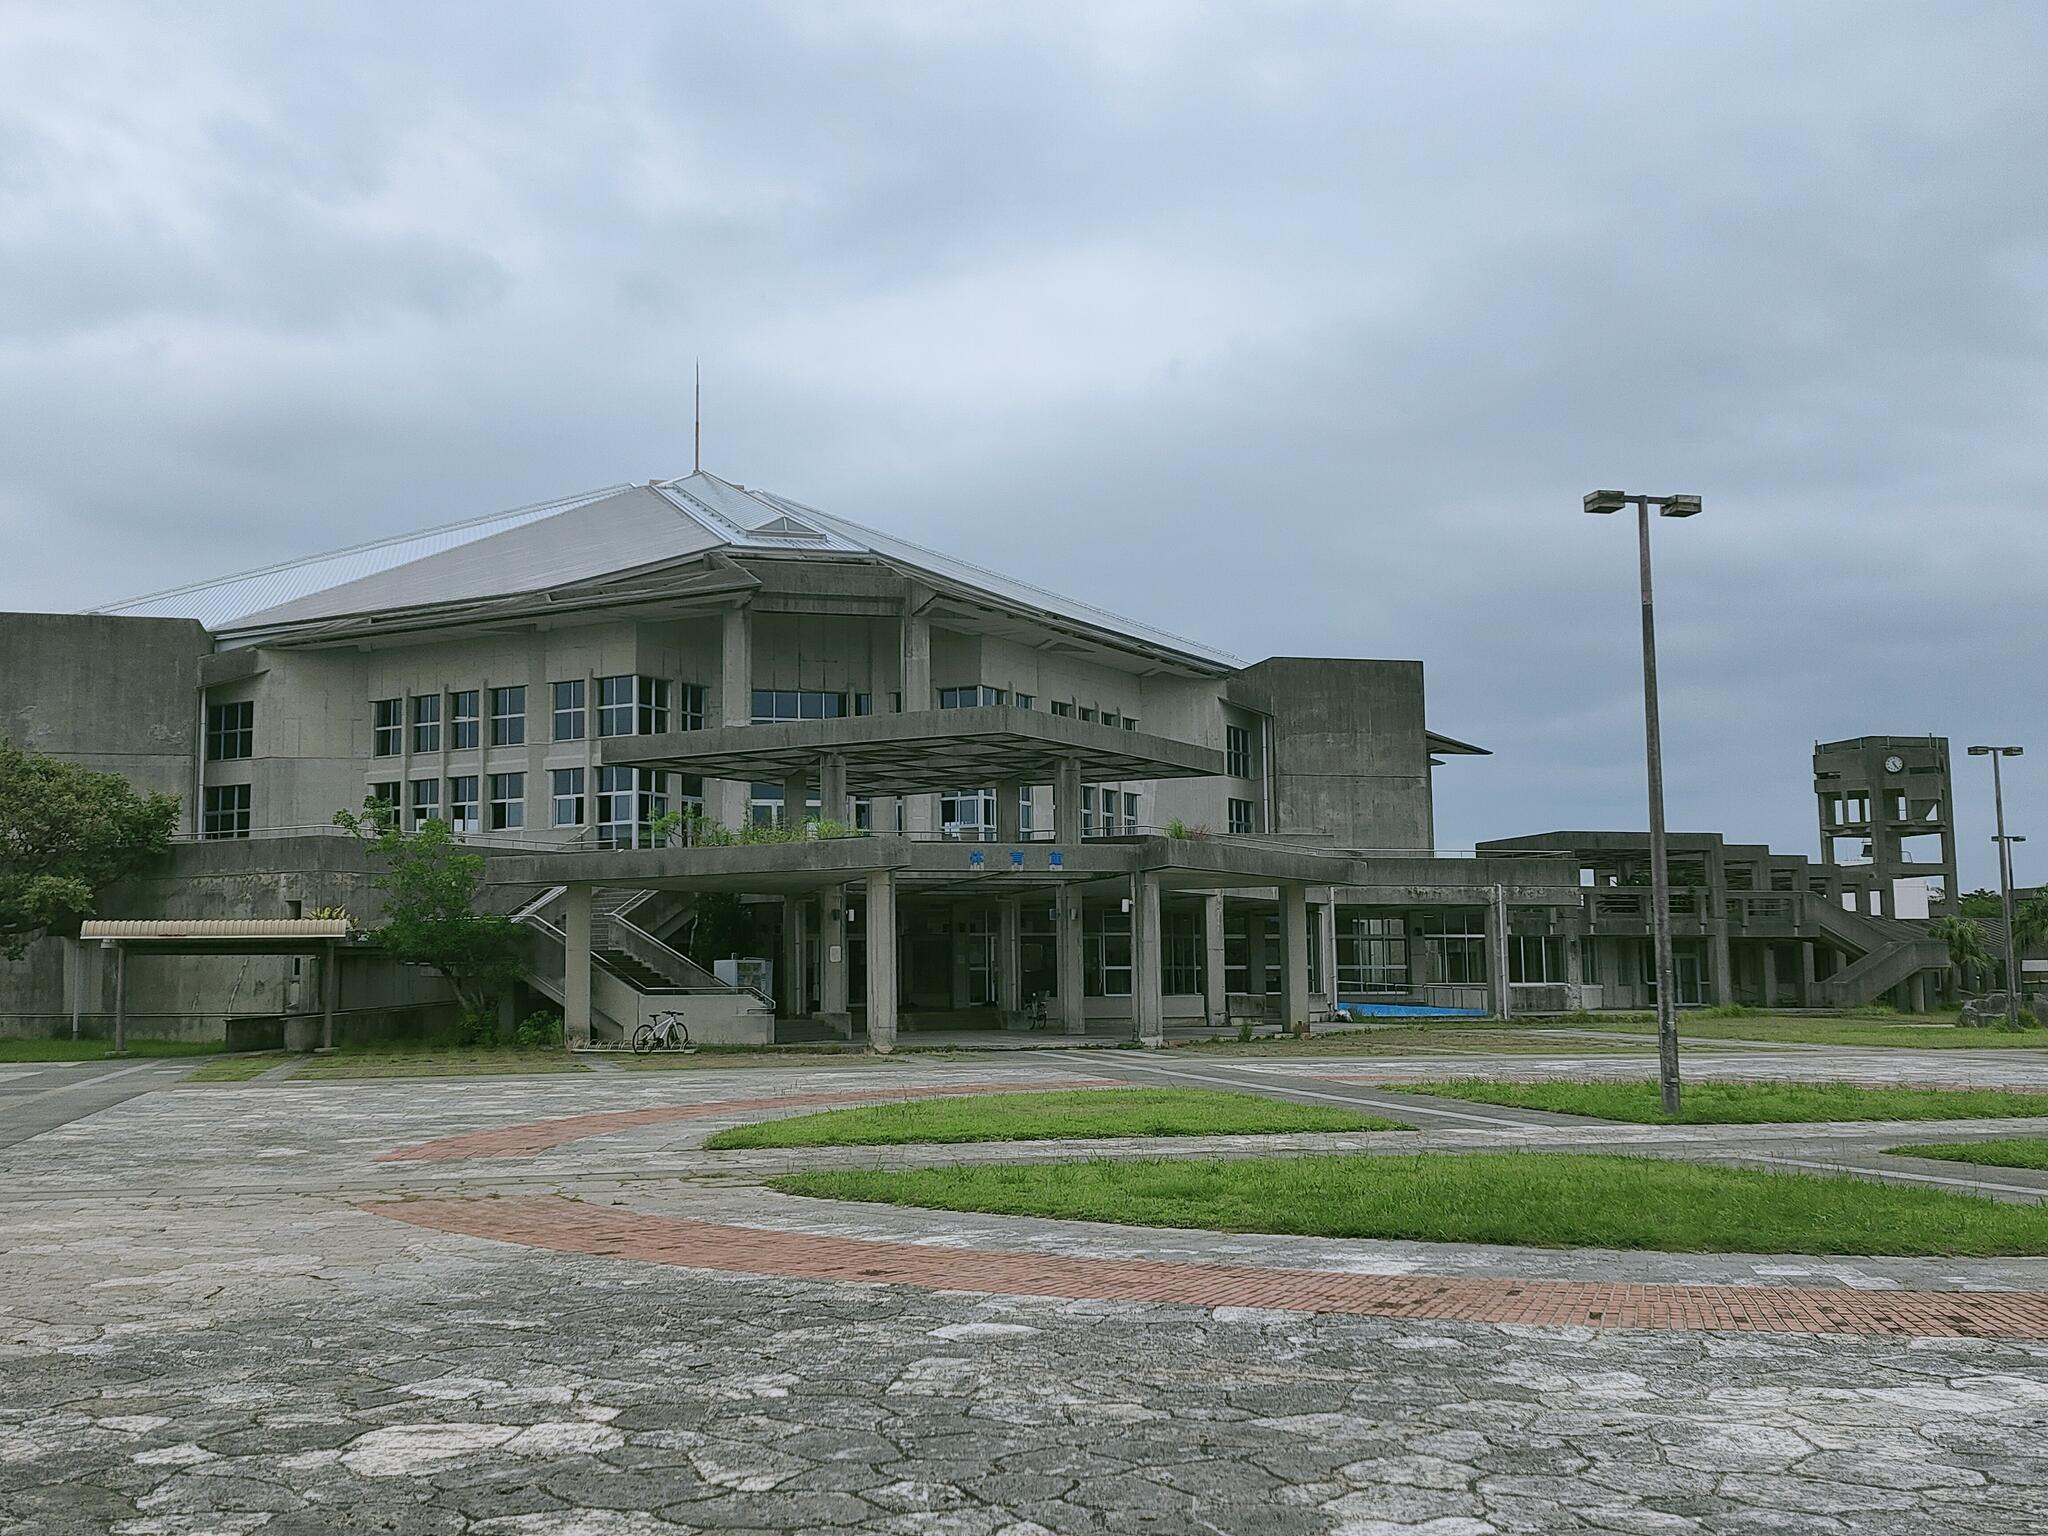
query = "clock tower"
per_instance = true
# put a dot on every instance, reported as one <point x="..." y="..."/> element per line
<point x="1884" y="804"/>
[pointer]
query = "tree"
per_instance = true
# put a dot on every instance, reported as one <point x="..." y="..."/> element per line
<point x="722" y="929"/>
<point x="1981" y="903"/>
<point x="430" y="918"/>
<point x="2030" y="923"/>
<point x="66" y="833"/>
<point x="1967" y="950"/>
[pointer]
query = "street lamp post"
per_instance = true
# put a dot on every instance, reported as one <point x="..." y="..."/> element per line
<point x="1608" y="502"/>
<point x="2012" y="967"/>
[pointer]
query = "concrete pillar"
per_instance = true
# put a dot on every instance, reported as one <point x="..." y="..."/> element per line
<point x="1009" y="824"/>
<point x="1009" y="957"/>
<point x="1326" y="952"/>
<point x="1216" y="1005"/>
<point x="1147" y="1004"/>
<point x="120" y="999"/>
<point x="789" y="981"/>
<point x="1806" y="972"/>
<point x="832" y="999"/>
<point x="576" y="965"/>
<point x="1720" y="967"/>
<point x="1770" y="966"/>
<point x="728" y="800"/>
<point x="1916" y="993"/>
<point x="957" y="926"/>
<point x="1294" y="941"/>
<point x="1073" y="1007"/>
<point x="329" y="963"/>
<point x="880" y="918"/>
<point x="796" y="799"/>
<point x="1497" y="969"/>
<point x="920" y="812"/>
<point x="1066" y="800"/>
<point x="833" y="802"/>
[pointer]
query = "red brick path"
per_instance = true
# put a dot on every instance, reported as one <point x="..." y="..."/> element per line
<point x="544" y="1135"/>
<point x="570" y="1226"/>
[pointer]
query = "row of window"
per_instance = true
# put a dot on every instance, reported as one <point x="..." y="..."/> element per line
<point x="628" y="800"/>
<point x="627" y="705"/>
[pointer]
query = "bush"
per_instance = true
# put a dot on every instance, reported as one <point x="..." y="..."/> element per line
<point x="477" y="1029"/>
<point x="539" y="1031"/>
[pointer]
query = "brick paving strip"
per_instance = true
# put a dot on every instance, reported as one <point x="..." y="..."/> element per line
<point x="535" y="1136"/>
<point x="571" y="1226"/>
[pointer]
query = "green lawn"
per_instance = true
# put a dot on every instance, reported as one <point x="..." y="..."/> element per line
<point x="1538" y="1199"/>
<point x="1743" y="1103"/>
<point x="1929" y="1034"/>
<point x="236" y="1069"/>
<point x="2012" y="1152"/>
<point x="431" y="1061"/>
<point x="99" y="1050"/>
<point x="1048" y="1116"/>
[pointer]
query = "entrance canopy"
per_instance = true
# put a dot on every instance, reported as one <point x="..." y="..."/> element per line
<point x="220" y="936"/>
<point x="925" y="752"/>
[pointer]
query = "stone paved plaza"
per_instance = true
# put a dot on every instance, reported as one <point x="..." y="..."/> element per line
<point x="241" y="1308"/>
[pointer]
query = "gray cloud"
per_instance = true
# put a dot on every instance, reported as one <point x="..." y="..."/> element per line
<point x="1299" y="327"/>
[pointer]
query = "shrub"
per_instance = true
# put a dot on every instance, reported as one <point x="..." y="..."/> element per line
<point x="476" y="1029"/>
<point x="539" y="1031"/>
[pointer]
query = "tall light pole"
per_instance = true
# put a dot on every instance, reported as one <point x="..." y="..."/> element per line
<point x="2012" y="967"/>
<point x="1605" y="503"/>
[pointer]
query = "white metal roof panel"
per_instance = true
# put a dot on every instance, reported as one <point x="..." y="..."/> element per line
<point x="215" y="928"/>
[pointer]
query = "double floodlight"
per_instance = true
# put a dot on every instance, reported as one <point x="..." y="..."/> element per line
<point x="2001" y="751"/>
<point x="1605" y="502"/>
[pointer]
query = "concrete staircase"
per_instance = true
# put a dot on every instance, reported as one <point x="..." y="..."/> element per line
<point x="1888" y="951"/>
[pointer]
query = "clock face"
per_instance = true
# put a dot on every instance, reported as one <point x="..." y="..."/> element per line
<point x="1894" y="764"/>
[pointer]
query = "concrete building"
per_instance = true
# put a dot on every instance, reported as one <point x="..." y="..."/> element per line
<point x="1043" y="799"/>
<point x="1884" y="805"/>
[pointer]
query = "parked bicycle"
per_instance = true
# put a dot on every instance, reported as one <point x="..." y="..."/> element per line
<point x="1034" y="1009"/>
<point x="668" y="1032"/>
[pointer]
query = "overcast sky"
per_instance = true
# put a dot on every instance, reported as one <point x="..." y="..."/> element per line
<point x="1298" y="327"/>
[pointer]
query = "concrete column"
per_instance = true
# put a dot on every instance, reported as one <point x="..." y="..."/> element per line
<point x="832" y="1000"/>
<point x="790" y="990"/>
<point x="956" y="922"/>
<point x="1147" y="1005"/>
<point x="833" y="802"/>
<point x="1916" y="993"/>
<point x="1073" y="1007"/>
<point x="1066" y="800"/>
<point x="796" y="798"/>
<point x="1497" y="971"/>
<point x="726" y="800"/>
<point x="1720" y="967"/>
<point x="1216" y="1006"/>
<point x="1009" y="957"/>
<point x="576" y="965"/>
<point x="329" y="984"/>
<point x="1009" y="825"/>
<point x="920" y="812"/>
<point x="1326" y="951"/>
<point x="1770" y="965"/>
<point x="880" y="918"/>
<point x="120" y="999"/>
<point x="1294" y="941"/>
<point x="1806" y="970"/>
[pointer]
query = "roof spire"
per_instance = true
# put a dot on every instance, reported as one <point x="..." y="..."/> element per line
<point x="697" y="458"/>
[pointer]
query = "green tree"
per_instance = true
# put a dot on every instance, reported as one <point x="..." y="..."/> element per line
<point x="430" y="888"/>
<point x="66" y="833"/>
<point x="722" y="929"/>
<point x="2030" y="922"/>
<point x="1981" y="903"/>
<point x="1967" y="951"/>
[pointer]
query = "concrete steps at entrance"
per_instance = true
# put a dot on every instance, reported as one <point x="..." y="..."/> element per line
<point x="1888" y="950"/>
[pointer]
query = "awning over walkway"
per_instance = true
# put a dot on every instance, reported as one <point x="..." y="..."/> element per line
<point x="278" y="932"/>
<point x="923" y="752"/>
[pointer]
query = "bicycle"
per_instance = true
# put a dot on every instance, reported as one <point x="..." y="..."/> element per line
<point x="668" y="1032"/>
<point x="1034" y="1010"/>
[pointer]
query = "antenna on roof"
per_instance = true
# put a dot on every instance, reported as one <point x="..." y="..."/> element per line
<point x="697" y="459"/>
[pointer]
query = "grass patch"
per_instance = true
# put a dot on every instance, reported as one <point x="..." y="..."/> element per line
<point x="102" y="1050"/>
<point x="1743" y="1103"/>
<point x="1048" y="1116"/>
<point x="1528" y="1199"/>
<point x="1467" y="1037"/>
<point x="1930" y="1033"/>
<point x="235" y="1069"/>
<point x="432" y="1061"/>
<point x="2012" y="1152"/>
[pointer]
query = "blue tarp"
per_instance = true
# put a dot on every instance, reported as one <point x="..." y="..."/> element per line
<point x="1406" y="1011"/>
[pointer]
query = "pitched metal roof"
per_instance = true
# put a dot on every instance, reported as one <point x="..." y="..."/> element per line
<point x="617" y="529"/>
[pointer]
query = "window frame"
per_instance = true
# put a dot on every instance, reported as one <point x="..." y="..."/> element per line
<point x="508" y="715"/>
<point x="225" y="812"/>
<point x="387" y="727"/>
<point x="566" y="702"/>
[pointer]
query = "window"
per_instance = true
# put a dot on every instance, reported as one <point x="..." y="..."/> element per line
<point x="1180" y="968"/>
<point x="225" y="811"/>
<point x="568" y="701"/>
<point x="1456" y="946"/>
<point x="1063" y="709"/>
<point x="426" y="801"/>
<point x="775" y="705"/>
<point x="1589" y="962"/>
<point x="426" y="722"/>
<point x="636" y="705"/>
<point x="1241" y="822"/>
<point x="462" y="720"/>
<point x="863" y="703"/>
<point x="508" y="801"/>
<point x="1025" y="700"/>
<point x="972" y="698"/>
<point x="969" y="814"/>
<point x="508" y="717"/>
<point x="462" y="803"/>
<point x="568" y="794"/>
<point x="1106" y="952"/>
<point x="1024" y="811"/>
<point x="1237" y="751"/>
<point x="629" y="802"/>
<point x="1535" y="958"/>
<point x="1372" y="955"/>
<point x="1130" y="815"/>
<point x="386" y="794"/>
<point x="1087" y="716"/>
<point x="1111" y="717"/>
<point x="230" y="731"/>
<point x="1087" y="810"/>
<point x="388" y="739"/>
<point x="1130" y="722"/>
